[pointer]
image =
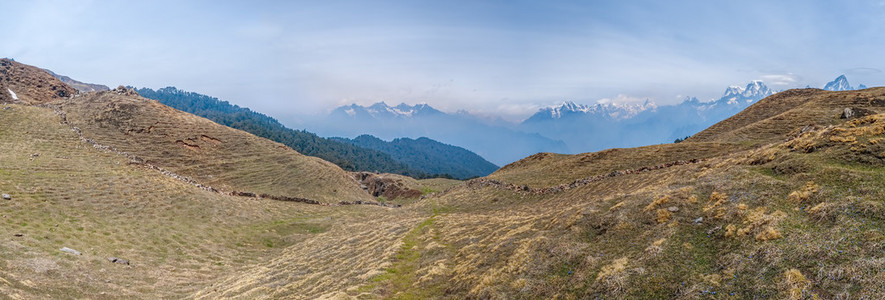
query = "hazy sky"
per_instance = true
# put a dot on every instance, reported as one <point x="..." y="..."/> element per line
<point x="505" y="58"/>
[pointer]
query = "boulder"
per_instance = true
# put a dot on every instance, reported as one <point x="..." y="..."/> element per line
<point x="118" y="260"/>
<point x="855" y="112"/>
<point x="6" y="197"/>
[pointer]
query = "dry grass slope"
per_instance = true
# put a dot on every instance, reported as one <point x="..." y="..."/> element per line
<point x="211" y="154"/>
<point x="31" y="85"/>
<point x="547" y="169"/>
<point x="786" y="214"/>
<point x="178" y="238"/>
<point x="776" y="117"/>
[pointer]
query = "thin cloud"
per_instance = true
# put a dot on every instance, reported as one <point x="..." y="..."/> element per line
<point x="622" y="99"/>
<point x="780" y="79"/>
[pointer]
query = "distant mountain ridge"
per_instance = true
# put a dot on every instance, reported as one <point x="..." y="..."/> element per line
<point x="346" y="155"/>
<point x="428" y="155"/>
<point x="602" y="110"/>
<point x="497" y="142"/>
<point x="569" y="127"/>
<point x="80" y="86"/>
<point x="612" y="125"/>
<point x="841" y="84"/>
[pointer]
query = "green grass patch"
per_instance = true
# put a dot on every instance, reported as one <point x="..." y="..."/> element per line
<point x="427" y="190"/>
<point x="398" y="280"/>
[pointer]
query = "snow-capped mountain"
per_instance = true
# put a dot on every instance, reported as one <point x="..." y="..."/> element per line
<point x="754" y="91"/>
<point x="613" y="111"/>
<point x="569" y="127"/>
<point x="606" y="125"/>
<point x="381" y="110"/>
<point x="841" y="84"/>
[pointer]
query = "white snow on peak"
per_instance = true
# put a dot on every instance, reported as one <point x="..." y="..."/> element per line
<point x="733" y="90"/>
<point x="350" y="111"/>
<point x="607" y="108"/>
<point x="401" y="110"/>
<point x="11" y="93"/>
<point x="755" y="90"/>
<point x="840" y="84"/>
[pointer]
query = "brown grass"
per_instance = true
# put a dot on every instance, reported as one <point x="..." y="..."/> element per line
<point x="211" y="154"/>
<point x="178" y="237"/>
<point x="545" y="170"/>
<point x="31" y="85"/>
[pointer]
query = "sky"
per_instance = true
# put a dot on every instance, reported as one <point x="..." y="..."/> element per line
<point x="501" y="59"/>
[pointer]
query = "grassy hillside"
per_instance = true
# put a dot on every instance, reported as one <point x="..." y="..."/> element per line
<point x="428" y="155"/>
<point x="211" y="154"/>
<point x="29" y="84"/>
<point x="794" y="216"/>
<point x="177" y="237"/>
<point x="348" y="156"/>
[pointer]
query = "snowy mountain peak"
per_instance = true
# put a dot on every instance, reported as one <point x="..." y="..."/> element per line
<point x="607" y="109"/>
<point x="733" y="91"/>
<point x="756" y="89"/>
<point x="383" y="110"/>
<point x="839" y="84"/>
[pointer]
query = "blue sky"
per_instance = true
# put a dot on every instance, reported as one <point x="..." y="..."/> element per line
<point x="498" y="58"/>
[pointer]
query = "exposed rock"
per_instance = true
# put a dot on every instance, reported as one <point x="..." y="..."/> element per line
<point x="699" y="220"/>
<point x="6" y="197"/>
<point x="71" y="251"/>
<point x="18" y="235"/>
<point x="125" y="91"/>
<point x="385" y="185"/>
<point x="673" y="209"/>
<point x="31" y="85"/>
<point x="855" y="112"/>
<point x="118" y="260"/>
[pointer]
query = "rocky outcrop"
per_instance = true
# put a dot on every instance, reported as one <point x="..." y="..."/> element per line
<point x="385" y="185"/>
<point x="855" y="112"/>
<point x="30" y="85"/>
<point x="122" y="90"/>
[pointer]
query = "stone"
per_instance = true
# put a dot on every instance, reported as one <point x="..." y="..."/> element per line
<point x="855" y="112"/>
<point x="6" y="197"/>
<point x="71" y="251"/>
<point x="118" y="260"/>
<point x="714" y="230"/>
<point x="673" y="209"/>
<point x="699" y="220"/>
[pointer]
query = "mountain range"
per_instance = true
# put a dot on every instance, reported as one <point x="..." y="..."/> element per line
<point x="841" y="84"/>
<point x="611" y="125"/>
<point x="497" y="142"/>
<point x="566" y="128"/>
<point x="417" y="158"/>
